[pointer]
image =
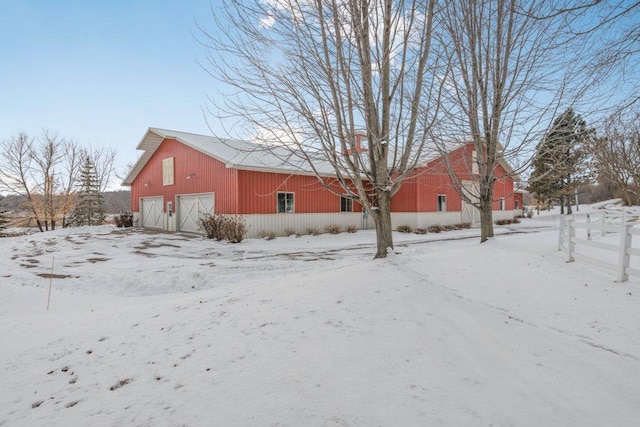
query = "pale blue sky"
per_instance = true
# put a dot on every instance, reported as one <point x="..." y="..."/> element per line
<point x="102" y="72"/>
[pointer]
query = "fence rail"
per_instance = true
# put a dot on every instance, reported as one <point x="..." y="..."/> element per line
<point x="567" y="241"/>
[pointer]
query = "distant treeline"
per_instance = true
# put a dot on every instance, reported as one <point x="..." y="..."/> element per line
<point x="114" y="202"/>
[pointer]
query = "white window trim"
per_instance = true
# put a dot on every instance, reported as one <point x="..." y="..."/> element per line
<point x="474" y="162"/>
<point x="293" y="202"/>
<point x="349" y="203"/>
<point x="443" y="205"/>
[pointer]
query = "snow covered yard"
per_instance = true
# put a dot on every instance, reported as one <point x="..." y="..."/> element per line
<point x="158" y="329"/>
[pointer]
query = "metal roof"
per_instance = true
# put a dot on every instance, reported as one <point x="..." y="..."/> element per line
<point x="247" y="155"/>
<point x="234" y="153"/>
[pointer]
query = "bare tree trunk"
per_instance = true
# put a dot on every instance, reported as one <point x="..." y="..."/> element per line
<point x="486" y="226"/>
<point x="497" y="65"/>
<point x="44" y="171"/>
<point x="346" y="69"/>
<point x="16" y="171"/>
<point x="382" y="218"/>
<point x="616" y="152"/>
<point x="486" y="215"/>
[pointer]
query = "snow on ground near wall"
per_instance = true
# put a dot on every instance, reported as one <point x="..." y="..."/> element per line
<point x="157" y="329"/>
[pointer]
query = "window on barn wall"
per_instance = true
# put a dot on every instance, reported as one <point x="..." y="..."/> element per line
<point x="474" y="162"/>
<point x="285" y="203"/>
<point x="346" y="204"/>
<point x="442" y="203"/>
<point x="502" y="204"/>
<point x="167" y="171"/>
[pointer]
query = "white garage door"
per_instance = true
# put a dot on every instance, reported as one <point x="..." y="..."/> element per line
<point x="152" y="212"/>
<point x="191" y="208"/>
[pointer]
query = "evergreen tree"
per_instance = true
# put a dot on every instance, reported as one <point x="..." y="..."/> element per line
<point x="560" y="165"/>
<point x="542" y="177"/>
<point x="89" y="208"/>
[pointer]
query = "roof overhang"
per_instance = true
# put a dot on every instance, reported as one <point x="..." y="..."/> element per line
<point x="149" y="144"/>
<point x="153" y="137"/>
<point x="509" y="170"/>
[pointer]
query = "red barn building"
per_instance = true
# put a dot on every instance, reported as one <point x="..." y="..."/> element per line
<point x="181" y="176"/>
<point x="430" y="197"/>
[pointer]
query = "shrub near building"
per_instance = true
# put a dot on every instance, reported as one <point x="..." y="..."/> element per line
<point x="231" y="228"/>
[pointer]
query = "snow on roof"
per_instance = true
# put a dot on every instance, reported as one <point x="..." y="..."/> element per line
<point x="234" y="153"/>
<point x="247" y="155"/>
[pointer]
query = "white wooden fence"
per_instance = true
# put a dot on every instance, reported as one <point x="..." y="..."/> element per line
<point x="569" y="238"/>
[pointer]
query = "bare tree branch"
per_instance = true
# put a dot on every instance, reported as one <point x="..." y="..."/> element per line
<point x="45" y="171"/>
<point x="507" y="80"/>
<point x="312" y="76"/>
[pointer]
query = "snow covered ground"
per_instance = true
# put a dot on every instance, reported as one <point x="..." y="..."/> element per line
<point x="154" y="329"/>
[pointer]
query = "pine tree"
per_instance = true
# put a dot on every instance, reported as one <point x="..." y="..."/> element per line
<point x="560" y="165"/>
<point x="542" y="177"/>
<point x="89" y="208"/>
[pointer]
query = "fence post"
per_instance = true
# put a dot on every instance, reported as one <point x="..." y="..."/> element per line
<point x="588" y="227"/>
<point x="560" y="237"/>
<point x="624" y="258"/>
<point x="571" y="234"/>
<point x="604" y="221"/>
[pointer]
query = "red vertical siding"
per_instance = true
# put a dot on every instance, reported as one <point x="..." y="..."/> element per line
<point x="503" y="187"/>
<point x="406" y="199"/>
<point x="255" y="192"/>
<point x="258" y="193"/>
<point x="420" y="192"/>
<point x="236" y="191"/>
<point x="519" y="197"/>
<point x="205" y="173"/>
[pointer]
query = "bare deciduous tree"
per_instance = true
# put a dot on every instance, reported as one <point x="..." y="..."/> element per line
<point x="616" y="154"/>
<point x="44" y="171"/>
<point x="611" y="30"/>
<point x="103" y="159"/>
<point x="15" y="169"/>
<point x="309" y="76"/>
<point x="70" y="164"/>
<point x="505" y="82"/>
